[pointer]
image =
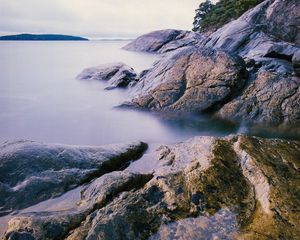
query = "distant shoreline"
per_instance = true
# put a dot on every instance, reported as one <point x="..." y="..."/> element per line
<point x="41" y="37"/>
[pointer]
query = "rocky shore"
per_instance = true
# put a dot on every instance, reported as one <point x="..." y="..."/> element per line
<point x="227" y="188"/>
<point x="247" y="71"/>
<point x="233" y="187"/>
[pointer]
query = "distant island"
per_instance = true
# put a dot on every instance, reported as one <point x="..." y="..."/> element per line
<point x="41" y="37"/>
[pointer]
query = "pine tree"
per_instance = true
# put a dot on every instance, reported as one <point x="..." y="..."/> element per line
<point x="201" y="12"/>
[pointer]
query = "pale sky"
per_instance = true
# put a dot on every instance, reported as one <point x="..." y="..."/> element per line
<point x="95" y="18"/>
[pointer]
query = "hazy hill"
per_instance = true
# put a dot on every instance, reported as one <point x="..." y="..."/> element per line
<point x="41" y="37"/>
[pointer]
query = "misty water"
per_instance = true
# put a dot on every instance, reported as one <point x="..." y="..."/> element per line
<point x="41" y="100"/>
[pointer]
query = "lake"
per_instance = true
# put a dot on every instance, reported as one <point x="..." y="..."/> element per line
<point x="41" y="100"/>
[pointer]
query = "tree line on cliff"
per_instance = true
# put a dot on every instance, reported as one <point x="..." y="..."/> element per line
<point x="210" y="17"/>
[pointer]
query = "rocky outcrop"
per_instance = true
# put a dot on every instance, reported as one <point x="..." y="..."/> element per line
<point x="270" y="99"/>
<point x="267" y="41"/>
<point x="31" y="172"/>
<point x="190" y="79"/>
<point x="116" y="74"/>
<point x="163" y="41"/>
<point x="235" y="187"/>
<point x="272" y="26"/>
<point x="268" y="33"/>
<point x="263" y="34"/>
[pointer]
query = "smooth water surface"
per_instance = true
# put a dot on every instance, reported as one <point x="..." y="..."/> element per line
<point x="41" y="100"/>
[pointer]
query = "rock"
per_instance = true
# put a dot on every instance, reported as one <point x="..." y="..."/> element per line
<point x="234" y="187"/>
<point x="269" y="43"/>
<point x="296" y="63"/>
<point x="31" y="172"/>
<point x="117" y="74"/>
<point x="163" y="41"/>
<point x="263" y="31"/>
<point x="263" y="25"/>
<point x="190" y="79"/>
<point x="270" y="99"/>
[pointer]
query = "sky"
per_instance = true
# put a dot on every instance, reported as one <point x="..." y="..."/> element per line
<point x="95" y="18"/>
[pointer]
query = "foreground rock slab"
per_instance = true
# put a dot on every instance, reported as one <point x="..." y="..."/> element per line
<point x="190" y="79"/>
<point x="31" y="172"/>
<point x="116" y="74"/>
<point x="236" y="187"/>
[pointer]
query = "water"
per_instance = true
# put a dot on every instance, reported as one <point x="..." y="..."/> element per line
<point x="41" y="100"/>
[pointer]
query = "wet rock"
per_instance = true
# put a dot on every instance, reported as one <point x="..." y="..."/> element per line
<point x="163" y="41"/>
<point x="270" y="99"/>
<point x="191" y="80"/>
<point x="116" y="74"/>
<point x="233" y="187"/>
<point x="31" y="172"/>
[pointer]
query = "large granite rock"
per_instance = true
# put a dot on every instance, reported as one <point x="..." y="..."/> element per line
<point x="116" y="74"/>
<point x="163" y="41"/>
<point x="235" y="187"/>
<point x="190" y="79"/>
<point x="271" y="99"/>
<point x="31" y="172"/>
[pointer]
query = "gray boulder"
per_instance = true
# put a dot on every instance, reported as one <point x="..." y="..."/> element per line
<point x="235" y="187"/>
<point x="31" y="172"/>
<point x="116" y="74"/>
<point x="271" y="99"/>
<point x="190" y="79"/>
<point x="163" y="41"/>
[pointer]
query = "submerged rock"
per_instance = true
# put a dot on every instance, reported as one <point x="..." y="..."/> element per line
<point x="191" y="79"/>
<point x="116" y="74"/>
<point x="163" y="41"/>
<point x="31" y="172"/>
<point x="233" y="187"/>
<point x="270" y="99"/>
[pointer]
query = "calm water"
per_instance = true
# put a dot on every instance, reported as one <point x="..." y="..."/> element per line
<point x="41" y="100"/>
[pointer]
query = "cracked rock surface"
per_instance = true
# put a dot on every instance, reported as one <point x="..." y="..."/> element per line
<point x="235" y="187"/>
